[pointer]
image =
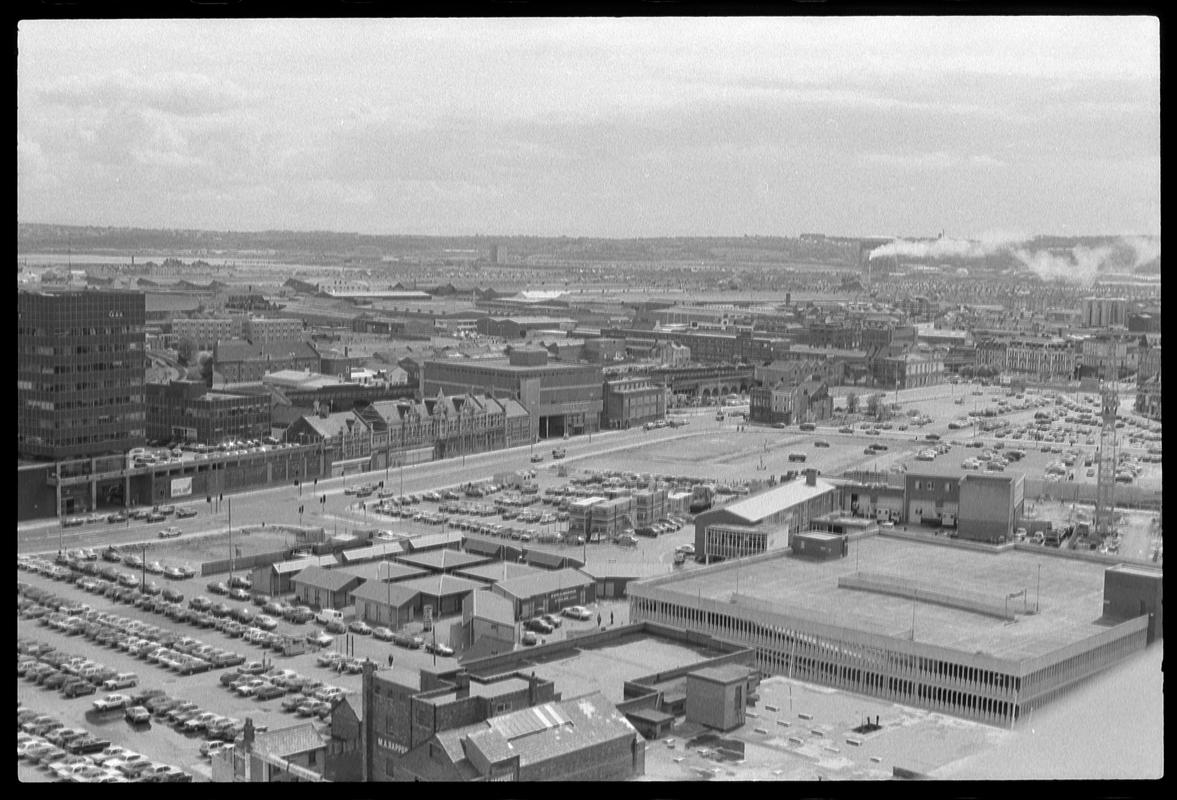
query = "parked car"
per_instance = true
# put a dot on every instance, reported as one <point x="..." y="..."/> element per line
<point x="360" y="627"/>
<point x="539" y="625"/>
<point x="437" y="648"/>
<point x="319" y="639"/>
<point x="170" y="532"/>
<point x="408" y="640"/>
<point x="185" y="513"/>
<point x="111" y="702"/>
<point x="529" y="639"/>
<point x="383" y="634"/>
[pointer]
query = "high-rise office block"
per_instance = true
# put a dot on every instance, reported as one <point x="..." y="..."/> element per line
<point x="80" y="373"/>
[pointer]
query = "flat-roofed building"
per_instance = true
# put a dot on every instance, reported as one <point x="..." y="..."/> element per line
<point x="269" y="330"/>
<point x="631" y="402"/>
<point x="79" y="373"/>
<point x="994" y="634"/>
<point x="559" y="397"/>
<point x="207" y="331"/>
<point x="189" y="411"/>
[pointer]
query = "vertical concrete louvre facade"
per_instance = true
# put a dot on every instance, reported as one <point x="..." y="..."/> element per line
<point x="974" y="686"/>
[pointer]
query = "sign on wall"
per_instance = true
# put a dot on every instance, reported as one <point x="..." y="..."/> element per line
<point x="181" y="487"/>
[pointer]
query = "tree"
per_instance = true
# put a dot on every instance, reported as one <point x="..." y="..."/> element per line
<point x="851" y="403"/>
<point x="206" y="368"/>
<point x="186" y="351"/>
<point x="872" y="404"/>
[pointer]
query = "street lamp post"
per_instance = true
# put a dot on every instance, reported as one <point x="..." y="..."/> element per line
<point x="229" y="505"/>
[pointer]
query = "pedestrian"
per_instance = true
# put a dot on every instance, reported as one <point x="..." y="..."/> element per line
<point x="598" y="620"/>
<point x="610" y="617"/>
<point x="390" y="659"/>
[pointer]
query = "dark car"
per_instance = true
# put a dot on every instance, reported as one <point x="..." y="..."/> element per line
<point x="221" y="610"/>
<point x="335" y="626"/>
<point x="538" y="625"/>
<point x="200" y="603"/>
<point x="239" y="594"/>
<point x="269" y="693"/>
<point x="408" y="640"/>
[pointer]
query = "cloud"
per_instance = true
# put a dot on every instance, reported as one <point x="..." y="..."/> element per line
<point x="179" y="93"/>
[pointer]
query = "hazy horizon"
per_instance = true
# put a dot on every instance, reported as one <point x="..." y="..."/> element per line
<point x="989" y="128"/>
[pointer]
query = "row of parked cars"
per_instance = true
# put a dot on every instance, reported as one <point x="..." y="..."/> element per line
<point x="75" y="755"/>
<point x="300" y="694"/>
<point x="72" y="675"/>
<point x="151" y="643"/>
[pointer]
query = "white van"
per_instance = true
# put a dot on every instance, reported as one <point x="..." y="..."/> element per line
<point x="329" y="615"/>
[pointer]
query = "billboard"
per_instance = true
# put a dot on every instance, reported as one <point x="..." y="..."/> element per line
<point x="181" y="487"/>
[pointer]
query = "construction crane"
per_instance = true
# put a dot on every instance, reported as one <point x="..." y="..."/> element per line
<point x="1105" y="496"/>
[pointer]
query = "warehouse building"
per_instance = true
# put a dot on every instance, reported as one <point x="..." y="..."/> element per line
<point x="764" y="521"/>
<point x="324" y="588"/>
<point x="547" y="592"/>
<point x="387" y="603"/>
<point x="984" y="636"/>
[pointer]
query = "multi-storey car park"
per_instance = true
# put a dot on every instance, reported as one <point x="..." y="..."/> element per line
<point x="981" y="635"/>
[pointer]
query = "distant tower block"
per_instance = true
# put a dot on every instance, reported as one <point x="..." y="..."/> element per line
<point x="1105" y="497"/>
<point x="494" y="254"/>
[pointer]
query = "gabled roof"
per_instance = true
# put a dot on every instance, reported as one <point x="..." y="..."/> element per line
<point x="550" y="559"/>
<point x="395" y="594"/>
<point x="333" y="580"/>
<point x="759" y="506"/>
<point x="286" y="742"/>
<point x="542" y="583"/>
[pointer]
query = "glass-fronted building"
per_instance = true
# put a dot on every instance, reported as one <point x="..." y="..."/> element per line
<point x="80" y="373"/>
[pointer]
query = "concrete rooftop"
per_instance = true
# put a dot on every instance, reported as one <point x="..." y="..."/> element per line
<point x="1071" y="598"/>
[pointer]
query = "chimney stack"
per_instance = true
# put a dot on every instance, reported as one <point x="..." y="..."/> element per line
<point x="811" y="477"/>
<point x="247" y="733"/>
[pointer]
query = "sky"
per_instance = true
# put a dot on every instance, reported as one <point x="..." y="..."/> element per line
<point x="986" y="127"/>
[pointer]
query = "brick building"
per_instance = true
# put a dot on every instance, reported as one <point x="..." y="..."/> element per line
<point x="560" y="398"/>
<point x="631" y="402"/>
<point x="808" y="401"/>
<point x="188" y="411"/>
<point x="239" y="361"/>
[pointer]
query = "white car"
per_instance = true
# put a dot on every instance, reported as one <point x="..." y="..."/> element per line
<point x="577" y="612"/>
<point x="111" y="702"/>
<point x="170" y="532"/>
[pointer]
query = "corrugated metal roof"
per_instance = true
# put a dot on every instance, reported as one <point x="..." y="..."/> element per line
<point x="763" y="505"/>
<point x="528" y="721"/>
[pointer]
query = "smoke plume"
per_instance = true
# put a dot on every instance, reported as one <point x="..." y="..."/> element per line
<point x="1077" y="264"/>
